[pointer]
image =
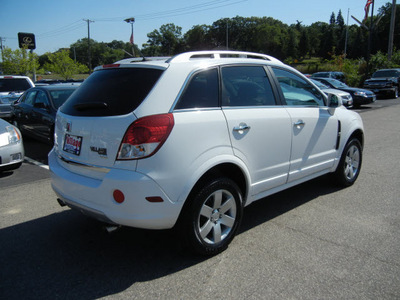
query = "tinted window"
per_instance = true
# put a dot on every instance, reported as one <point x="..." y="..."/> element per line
<point x="298" y="91"/>
<point x="41" y="99"/>
<point x="29" y="97"/>
<point x="13" y="85"/>
<point x="246" y="86"/>
<point x="201" y="91"/>
<point x="111" y="92"/>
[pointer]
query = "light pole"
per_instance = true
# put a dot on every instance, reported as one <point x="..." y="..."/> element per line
<point x="131" y="21"/>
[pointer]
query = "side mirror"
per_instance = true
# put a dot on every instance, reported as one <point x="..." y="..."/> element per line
<point x="334" y="101"/>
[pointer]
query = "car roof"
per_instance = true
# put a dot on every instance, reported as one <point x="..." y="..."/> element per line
<point x="195" y="58"/>
<point x="54" y="87"/>
<point x="13" y="76"/>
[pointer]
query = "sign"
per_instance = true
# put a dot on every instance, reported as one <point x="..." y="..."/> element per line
<point x="26" y="40"/>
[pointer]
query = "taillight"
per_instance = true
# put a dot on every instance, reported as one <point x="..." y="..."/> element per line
<point x="145" y="136"/>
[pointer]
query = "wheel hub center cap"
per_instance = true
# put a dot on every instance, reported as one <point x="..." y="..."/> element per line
<point x="215" y="215"/>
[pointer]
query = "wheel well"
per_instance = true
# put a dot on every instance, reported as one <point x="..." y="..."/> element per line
<point x="228" y="170"/>
<point x="359" y="135"/>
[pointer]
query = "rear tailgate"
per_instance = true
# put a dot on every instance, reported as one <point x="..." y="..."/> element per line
<point x="90" y="140"/>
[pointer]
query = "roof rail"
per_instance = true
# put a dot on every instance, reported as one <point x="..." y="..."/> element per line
<point x="217" y="54"/>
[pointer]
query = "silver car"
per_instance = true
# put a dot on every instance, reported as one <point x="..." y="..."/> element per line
<point x="346" y="98"/>
<point x="11" y="88"/>
<point x="11" y="147"/>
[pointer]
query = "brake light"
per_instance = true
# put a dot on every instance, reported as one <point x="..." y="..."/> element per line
<point x="145" y="136"/>
<point x="111" y="66"/>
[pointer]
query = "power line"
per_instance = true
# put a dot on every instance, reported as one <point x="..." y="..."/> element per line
<point x="177" y="12"/>
<point x="64" y="29"/>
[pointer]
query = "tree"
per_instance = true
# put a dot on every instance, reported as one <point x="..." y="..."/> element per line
<point x="62" y="64"/>
<point x="19" y="61"/>
<point x="197" y="38"/>
<point x="166" y="41"/>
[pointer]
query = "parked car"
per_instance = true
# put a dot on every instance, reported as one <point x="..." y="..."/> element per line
<point x="190" y="141"/>
<point x="345" y="97"/>
<point x="360" y="96"/>
<point x="11" y="88"/>
<point x="384" y="82"/>
<point x="11" y="147"/>
<point x="335" y="75"/>
<point x="35" y="111"/>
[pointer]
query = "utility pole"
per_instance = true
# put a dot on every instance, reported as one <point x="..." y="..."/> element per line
<point x="88" y="30"/>
<point x="1" y="48"/>
<point x="227" y="34"/>
<point x="347" y="33"/>
<point x="391" y="32"/>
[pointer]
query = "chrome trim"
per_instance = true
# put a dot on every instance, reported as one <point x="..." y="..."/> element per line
<point x="85" y="166"/>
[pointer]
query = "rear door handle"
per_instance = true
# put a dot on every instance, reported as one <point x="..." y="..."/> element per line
<point x="299" y="123"/>
<point x="241" y="128"/>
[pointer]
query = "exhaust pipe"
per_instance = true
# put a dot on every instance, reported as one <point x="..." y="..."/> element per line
<point x="62" y="203"/>
<point x="111" y="228"/>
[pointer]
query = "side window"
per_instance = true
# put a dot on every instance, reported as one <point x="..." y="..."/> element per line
<point x="246" y="86"/>
<point x="29" y="98"/>
<point x="201" y="91"/>
<point x="297" y="91"/>
<point x="41" y="100"/>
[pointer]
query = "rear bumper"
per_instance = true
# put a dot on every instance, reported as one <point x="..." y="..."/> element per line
<point x="94" y="196"/>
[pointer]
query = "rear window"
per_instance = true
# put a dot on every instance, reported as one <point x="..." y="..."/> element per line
<point x="111" y="92"/>
<point x="14" y="85"/>
<point x="60" y="96"/>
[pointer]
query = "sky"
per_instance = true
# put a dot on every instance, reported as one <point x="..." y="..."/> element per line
<point x="59" y="23"/>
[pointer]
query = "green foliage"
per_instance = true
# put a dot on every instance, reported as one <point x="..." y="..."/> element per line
<point x="19" y="61"/>
<point x="62" y="64"/>
<point x="101" y="53"/>
<point x="166" y="41"/>
<point x="380" y="61"/>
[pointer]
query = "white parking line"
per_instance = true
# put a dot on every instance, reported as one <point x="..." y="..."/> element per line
<point x="34" y="162"/>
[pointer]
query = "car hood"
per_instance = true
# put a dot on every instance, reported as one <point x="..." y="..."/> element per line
<point x="377" y="79"/>
<point x="336" y="92"/>
<point x="352" y="90"/>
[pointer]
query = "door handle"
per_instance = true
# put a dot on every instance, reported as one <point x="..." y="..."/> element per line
<point x="299" y="123"/>
<point x="241" y="128"/>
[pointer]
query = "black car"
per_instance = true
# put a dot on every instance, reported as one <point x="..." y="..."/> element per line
<point x="35" y="111"/>
<point x="360" y="96"/>
<point x="384" y="82"/>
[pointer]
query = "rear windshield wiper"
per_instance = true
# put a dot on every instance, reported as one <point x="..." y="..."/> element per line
<point x="91" y="105"/>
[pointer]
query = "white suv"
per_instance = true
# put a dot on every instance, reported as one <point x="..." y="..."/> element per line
<point x="191" y="140"/>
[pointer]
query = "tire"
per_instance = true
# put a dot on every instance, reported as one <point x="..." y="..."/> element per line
<point x="396" y="93"/>
<point x="212" y="217"/>
<point x="350" y="163"/>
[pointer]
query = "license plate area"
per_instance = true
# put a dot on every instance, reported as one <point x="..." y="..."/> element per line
<point x="72" y="144"/>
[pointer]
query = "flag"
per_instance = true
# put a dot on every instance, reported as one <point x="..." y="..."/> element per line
<point x="131" y="39"/>
<point x="366" y="8"/>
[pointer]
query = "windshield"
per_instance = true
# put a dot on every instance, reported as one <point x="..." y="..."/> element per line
<point x="386" y="73"/>
<point x="320" y="84"/>
<point x="14" y="85"/>
<point x="338" y="84"/>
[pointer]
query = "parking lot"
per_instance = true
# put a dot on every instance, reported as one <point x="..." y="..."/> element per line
<point x="313" y="241"/>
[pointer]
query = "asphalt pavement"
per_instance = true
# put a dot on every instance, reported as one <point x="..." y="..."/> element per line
<point x="313" y="241"/>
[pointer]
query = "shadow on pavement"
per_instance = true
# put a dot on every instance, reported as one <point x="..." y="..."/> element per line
<point x="66" y="255"/>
